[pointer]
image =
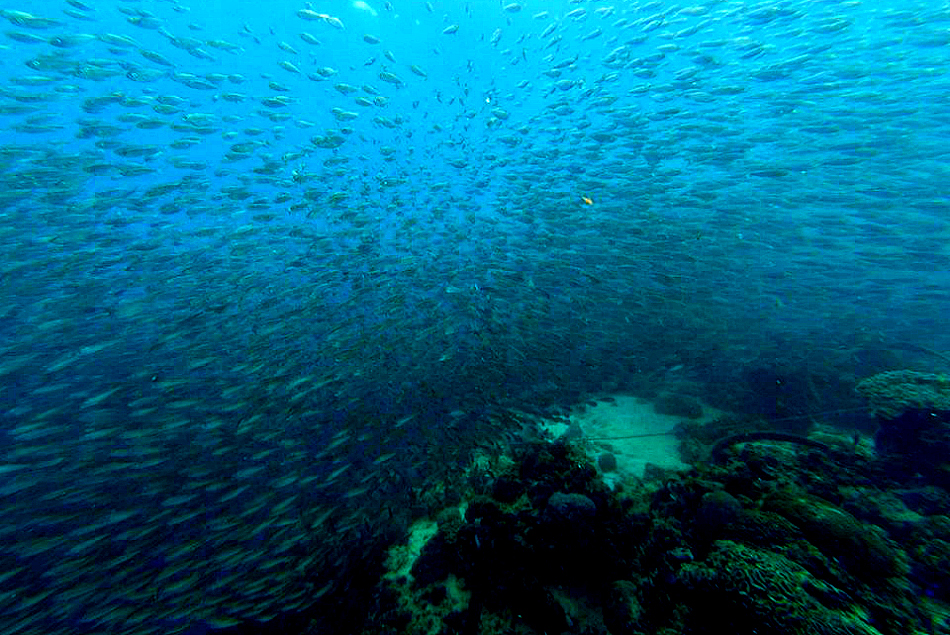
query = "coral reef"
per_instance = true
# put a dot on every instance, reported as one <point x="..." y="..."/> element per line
<point x="746" y="590"/>
<point x="899" y="392"/>
<point x="913" y="411"/>
<point x="766" y="539"/>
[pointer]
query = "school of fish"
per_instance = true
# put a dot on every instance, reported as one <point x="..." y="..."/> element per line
<point x="264" y="275"/>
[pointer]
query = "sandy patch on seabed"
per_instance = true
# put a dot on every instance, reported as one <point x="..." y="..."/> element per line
<point x="630" y="429"/>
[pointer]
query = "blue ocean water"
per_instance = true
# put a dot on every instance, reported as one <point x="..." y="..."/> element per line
<point x="268" y="267"/>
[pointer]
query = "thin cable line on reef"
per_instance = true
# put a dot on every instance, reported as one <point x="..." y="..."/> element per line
<point x="671" y="432"/>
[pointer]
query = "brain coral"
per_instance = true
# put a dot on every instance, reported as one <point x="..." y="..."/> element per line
<point x="748" y="590"/>
<point x="863" y="549"/>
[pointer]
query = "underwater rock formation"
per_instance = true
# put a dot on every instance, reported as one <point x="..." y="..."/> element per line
<point x="679" y="406"/>
<point x="898" y="393"/>
<point x="913" y="411"/>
